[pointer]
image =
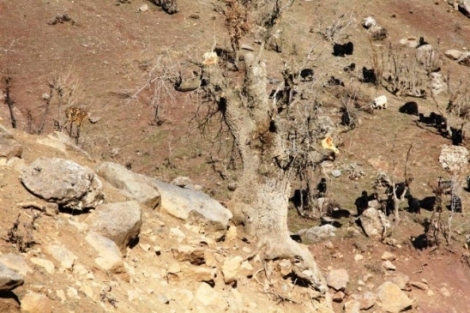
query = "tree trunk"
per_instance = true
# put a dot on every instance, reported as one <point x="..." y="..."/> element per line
<point x="261" y="200"/>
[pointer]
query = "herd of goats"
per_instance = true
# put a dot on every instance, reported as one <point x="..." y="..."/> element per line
<point x="393" y="192"/>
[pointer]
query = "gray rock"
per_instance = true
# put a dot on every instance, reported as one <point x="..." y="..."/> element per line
<point x="109" y="257"/>
<point x="318" y="233"/>
<point x="33" y="302"/>
<point x="191" y="204"/>
<point x="400" y="279"/>
<point x="375" y="224"/>
<point x="352" y="306"/>
<point x="120" y="222"/>
<point x="453" y="54"/>
<point x="368" y="22"/>
<point x="336" y="173"/>
<point x="392" y="298"/>
<point x="183" y="182"/>
<point x="453" y="158"/>
<point x="132" y="185"/>
<point x="62" y="255"/>
<point x="464" y="7"/>
<point x="337" y="279"/>
<point x="464" y="59"/>
<point x="9" y="148"/>
<point x="63" y="182"/>
<point x="9" y="279"/>
<point x="16" y="262"/>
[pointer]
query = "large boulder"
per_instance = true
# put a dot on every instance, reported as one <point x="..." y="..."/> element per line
<point x="453" y="158"/>
<point x="33" y="302"/>
<point x="317" y="233"/>
<point x="120" y="222"/>
<point x="64" y="182"/>
<point x="9" y="279"/>
<point x="132" y="185"/>
<point x="375" y="224"/>
<point x="188" y="204"/>
<point x="392" y="298"/>
<point x="109" y="257"/>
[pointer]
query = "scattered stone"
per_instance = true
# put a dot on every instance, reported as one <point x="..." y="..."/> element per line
<point x="9" y="148"/>
<point x="358" y="257"/>
<point x="63" y="182"/>
<point x="285" y="267"/>
<point x="135" y="186"/>
<point x="46" y="264"/>
<point x="419" y="285"/>
<point x="338" y="296"/>
<point x="231" y="233"/>
<point x="230" y="269"/>
<point x="336" y="173"/>
<point x="188" y="253"/>
<point x="62" y="255"/>
<point x="33" y="302"/>
<point x="368" y="22"/>
<point x="109" y="257"/>
<point x="453" y="54"/>
<point x="430" y="293"/>
<point x="144" y="8"/>
<point x="387" y="256"/>
<point x="194" y="205"/>
<point x="351" y="306"/>
<point x="174" y="268"/>
<point x="61" y="294"/>
<point x="389" y="266"/>
<point x="367" y="300"/>
<point x="210" y="298"/>
<point x="9" y="279"/>
<point x="400" y="279"/>
<point x="119" y="221"/>
<point x="444" y="292"/>
<point x="16" y="262"/>
<point x="337" y="279"/>
<point x="392" y="298"/>
<point x="177" y="234"/>
<point x="247" y="47"/>
<point x="411" y="42"/>
<point x="72" y="293"/>
<point x="198" y="273"/>
<point x="464" y="59"/>
<point x="161" y="298"/>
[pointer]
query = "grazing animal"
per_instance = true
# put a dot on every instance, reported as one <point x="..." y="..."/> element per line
<point x="428" y="203"/>
<point x="456" y="204"/>
<point x="348" y="118"/>
<point x="321" y="188"/>
<point x="401" y="190"/>
<point x="425" y="119"/>
<point x="445" y="185"/>
<point x="374" y="201"/>
<point x="389" y="206"/>
<point x="414" y="205"/>
<point x="421" y="242"/>
<point x="306" y="74"/>
<point x="410" y="108"/>
<point x="468" y="183"/>
<point x="340" y="50"/>
<point x="368" y="75"/>
<point x="296" y="238"/>
<point x="379" y="103"/>
<point x="456" y="136"/>
<point x="362" y="203"/>
<point x="278" y="94"/>
<point x="333" y="81"/>
<point x="350" y="68"/>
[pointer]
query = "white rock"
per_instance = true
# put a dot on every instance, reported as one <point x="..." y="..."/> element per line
<point x="46" y="264"/>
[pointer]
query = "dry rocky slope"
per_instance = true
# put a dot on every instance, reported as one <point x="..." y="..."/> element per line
<point x="126" y="242"/>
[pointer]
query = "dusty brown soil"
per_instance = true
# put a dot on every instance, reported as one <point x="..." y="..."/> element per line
<point x="109" y="50"/>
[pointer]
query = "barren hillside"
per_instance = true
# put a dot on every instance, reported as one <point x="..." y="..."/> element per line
<point x="119" y="62"/>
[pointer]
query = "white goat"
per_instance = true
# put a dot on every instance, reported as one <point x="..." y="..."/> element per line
<point x="379" y="103"/>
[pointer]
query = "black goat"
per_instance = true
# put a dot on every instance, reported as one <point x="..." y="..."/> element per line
<point x="350" y="68"/>
<point x="348" y="118"/>
<point x="401" y="190"/>
<point x="362" y="203"/>
<point x="321" y="188"/>
<point x="456" y="136"/>
<point x="410" y="108"/>
<point x="428" y="203"/>
<point x="421" y="242"/>
<point x="414" y="205"/>
<point x="456" y="204"/>
<point x="368" y="76"/>
<point x="306" y="74"/>
<point x="335" y="82"/>
<point x="340" y="50"/>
